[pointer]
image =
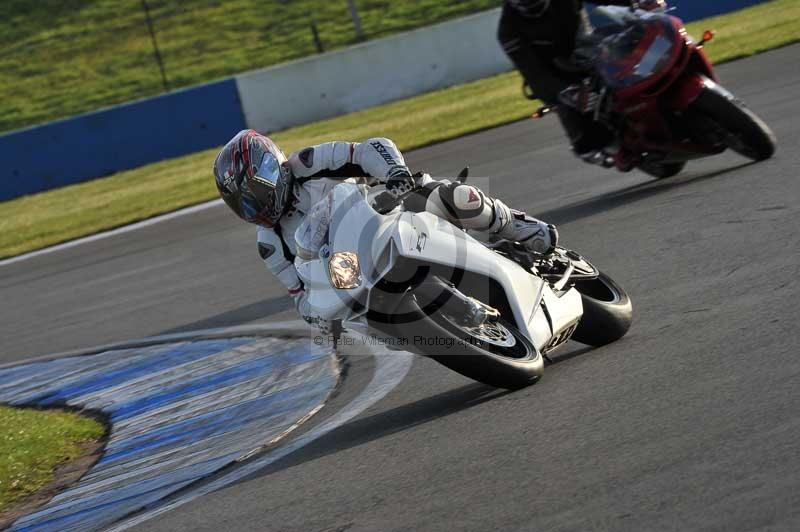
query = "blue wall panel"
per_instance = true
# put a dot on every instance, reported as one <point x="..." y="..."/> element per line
<point x="690" y="10"/>
<point x="100" y="143"/>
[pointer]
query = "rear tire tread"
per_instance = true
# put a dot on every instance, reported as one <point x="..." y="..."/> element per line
<point x="603" y="322"/>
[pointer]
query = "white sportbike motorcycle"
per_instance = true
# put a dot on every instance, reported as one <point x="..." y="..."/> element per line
<point x="488" y="311"/>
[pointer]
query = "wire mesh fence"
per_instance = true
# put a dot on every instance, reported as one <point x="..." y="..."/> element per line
<point x="59" y="58"/>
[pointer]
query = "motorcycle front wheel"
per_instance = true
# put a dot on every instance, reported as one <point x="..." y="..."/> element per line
<point x="745" y="132"/>
<point x="495" y="353"/>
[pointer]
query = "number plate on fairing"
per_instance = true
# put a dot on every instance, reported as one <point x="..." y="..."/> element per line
<point x="560" y="338"/>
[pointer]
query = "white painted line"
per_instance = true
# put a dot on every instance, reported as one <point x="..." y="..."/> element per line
<point x="114" y="232"/>
<point x="390" y="370"/>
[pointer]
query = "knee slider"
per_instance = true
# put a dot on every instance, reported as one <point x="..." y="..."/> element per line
<point x="464" y="201"/>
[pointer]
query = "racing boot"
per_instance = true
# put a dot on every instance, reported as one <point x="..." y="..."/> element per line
<point x="537" y="237"/>
<point x="591" y="141"/>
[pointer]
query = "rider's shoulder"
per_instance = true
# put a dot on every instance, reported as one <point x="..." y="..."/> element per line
<point x="311" y="160"/>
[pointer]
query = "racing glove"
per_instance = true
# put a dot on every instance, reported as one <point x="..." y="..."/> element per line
<point x="400" y="183"/>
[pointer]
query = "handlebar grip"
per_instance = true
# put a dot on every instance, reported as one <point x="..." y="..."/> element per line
<point x="385" y="202"/>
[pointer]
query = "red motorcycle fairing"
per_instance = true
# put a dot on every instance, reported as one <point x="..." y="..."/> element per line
<point x="648" y="129"/>
<point x="653" y="68"/>
<point x="659" y="95"/>
<point x="663" y="58"/>
<point x="664" y="37"/>
<point x="697" y="72"/>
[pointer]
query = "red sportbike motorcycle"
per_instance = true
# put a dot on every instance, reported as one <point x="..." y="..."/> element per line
<point x="659" y="95"/>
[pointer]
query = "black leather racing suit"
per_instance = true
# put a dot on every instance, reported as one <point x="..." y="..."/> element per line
<point x="534" y="33"/>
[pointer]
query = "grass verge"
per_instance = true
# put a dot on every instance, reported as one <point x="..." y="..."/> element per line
<point x="33" y="443"/>
<point x="44" y="219"/>
<point x="94" y="53"/>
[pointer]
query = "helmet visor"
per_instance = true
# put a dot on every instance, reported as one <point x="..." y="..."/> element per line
<point x="259" y="192"/>
<point x="269" y="172"/>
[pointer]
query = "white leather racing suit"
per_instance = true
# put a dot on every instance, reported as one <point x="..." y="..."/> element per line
<point x="318" y="169"/>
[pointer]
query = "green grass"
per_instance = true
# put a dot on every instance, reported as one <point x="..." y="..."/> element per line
<point x="33" y="443"/>
<point x="39" y="220"/>
<point x="59" y="58"/>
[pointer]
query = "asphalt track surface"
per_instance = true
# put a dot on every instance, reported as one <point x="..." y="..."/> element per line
<point x="692" y="422"/>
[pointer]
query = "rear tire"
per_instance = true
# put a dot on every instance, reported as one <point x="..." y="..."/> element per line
<point x="607" y="311"/>
<point x="662" y="170"/>
<point x="745" y="132"/>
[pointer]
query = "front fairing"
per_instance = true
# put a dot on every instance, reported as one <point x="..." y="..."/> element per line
<point x="380" y="241"/>
<point x="353" y="224"/>
<point x="535" y="308"/>
<point x="633" y="47"/>
<point x="355" y="227"/>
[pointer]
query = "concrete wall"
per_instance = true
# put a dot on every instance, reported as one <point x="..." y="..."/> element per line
<point x="397" y="67"/>
<point x="372" y="73"/>
<point x="123" y="137"/>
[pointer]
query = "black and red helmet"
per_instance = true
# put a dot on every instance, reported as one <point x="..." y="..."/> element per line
<point x="530" y="8"/>
<point x="253" y="178"/>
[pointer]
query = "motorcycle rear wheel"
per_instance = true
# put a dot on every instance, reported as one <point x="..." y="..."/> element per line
<point x="746" y="133"/>
<point x="607" y="311"/>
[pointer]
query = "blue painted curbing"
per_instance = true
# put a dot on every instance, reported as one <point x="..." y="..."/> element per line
<point x="179" y="412"/>
<point x="119" y="138"/>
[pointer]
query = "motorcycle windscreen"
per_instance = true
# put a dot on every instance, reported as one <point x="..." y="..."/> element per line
<point x="642" y="49"/>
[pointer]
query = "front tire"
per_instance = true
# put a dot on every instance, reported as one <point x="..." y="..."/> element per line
<point x="745" y="132"/>
<point x="607" y="311"/>
<point x="502" y="364"/>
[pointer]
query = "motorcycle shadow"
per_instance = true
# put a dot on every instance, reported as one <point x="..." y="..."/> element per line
<point x="578" y="351"/>
<point x="239" y="316"/>
<point x="370" y="428"/>
<point x="583" y="209"/>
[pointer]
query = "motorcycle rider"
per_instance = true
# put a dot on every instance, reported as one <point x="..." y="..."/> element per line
<point x="539" y="37"/>
<point x="287" y="198"/>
